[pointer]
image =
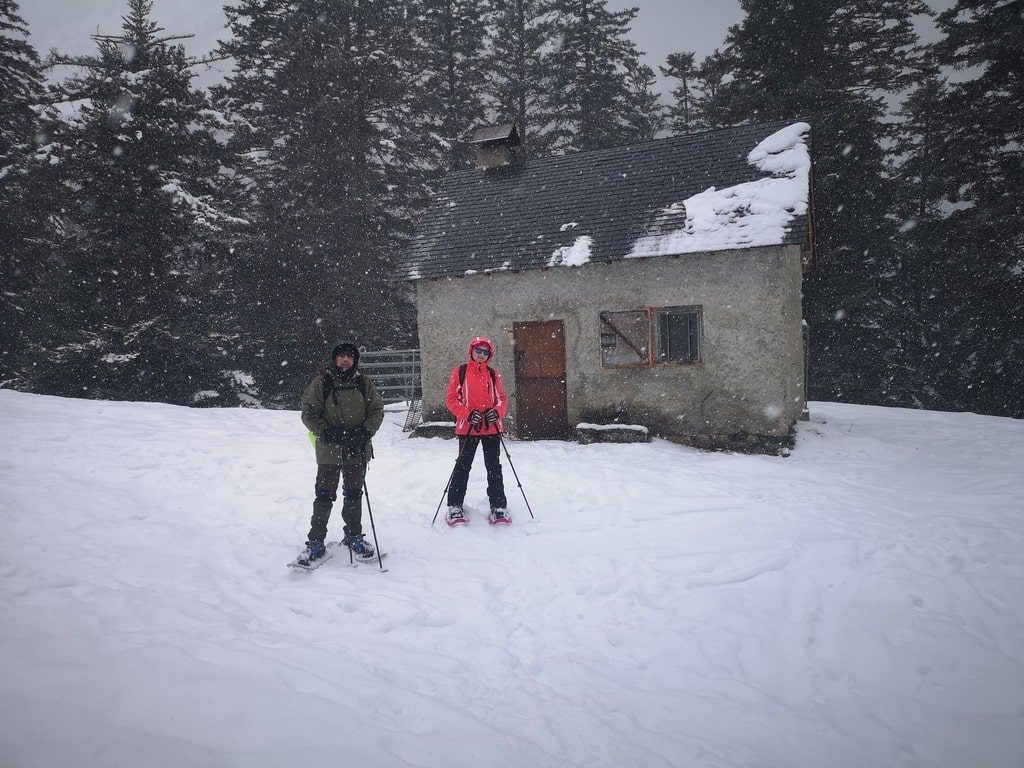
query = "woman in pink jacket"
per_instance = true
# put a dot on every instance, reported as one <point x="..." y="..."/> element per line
<point x="476" y="398"/>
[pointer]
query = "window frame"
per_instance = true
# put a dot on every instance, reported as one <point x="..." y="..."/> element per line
<point x="640" y="363"/>
<point x="653" y="316"/>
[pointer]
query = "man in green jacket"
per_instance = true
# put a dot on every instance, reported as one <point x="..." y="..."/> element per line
<point x="343" y="410"/>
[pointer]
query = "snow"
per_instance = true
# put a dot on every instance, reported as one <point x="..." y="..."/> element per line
<point x="606" y="427"/>
<point x="115" y="358"/>
<point x="205" y="212"/>
<point x="856" y="604"/>
<point x="574" y="255"/>
<point x="751" y="214"/>
<point x="71" y="111"/>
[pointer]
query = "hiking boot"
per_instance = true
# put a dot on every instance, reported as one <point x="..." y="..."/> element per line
<point x="314" y="551"/>
<point x="456" y="516"/>
<point x="359" y="546"/>
<point x="499" y="516"/>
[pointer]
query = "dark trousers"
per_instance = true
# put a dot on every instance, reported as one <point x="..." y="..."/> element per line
<point x="492" y="460"/>
<point x="327" y="477"/>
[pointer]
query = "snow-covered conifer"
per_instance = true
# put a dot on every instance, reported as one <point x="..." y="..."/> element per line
<point x="322" y="97"/>
<point x="979" y="136"/>
<point x="24" y="204"/>
<point x="517" y="66"/>
<point x="140" y="278"/>
<point x="833" y="63"/>
<point x="450" y="83"/>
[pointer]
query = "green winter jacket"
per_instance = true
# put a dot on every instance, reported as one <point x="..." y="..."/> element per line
<point x="330" y="402"/>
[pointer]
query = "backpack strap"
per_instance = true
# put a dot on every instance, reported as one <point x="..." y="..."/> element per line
<point x="360" y="382"/>
<point x="462" y="374"/>
<point x="462" y="379"/>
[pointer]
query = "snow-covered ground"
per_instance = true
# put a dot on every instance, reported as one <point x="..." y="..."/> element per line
<point x="856" y="604"/>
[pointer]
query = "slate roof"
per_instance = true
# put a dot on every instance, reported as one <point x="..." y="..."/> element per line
<point x="515" y="217"/>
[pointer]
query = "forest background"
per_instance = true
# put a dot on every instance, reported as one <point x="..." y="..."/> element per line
<point x="167" y="239"/>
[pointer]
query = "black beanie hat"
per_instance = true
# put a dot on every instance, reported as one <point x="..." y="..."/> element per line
<point x="346" y="348"/>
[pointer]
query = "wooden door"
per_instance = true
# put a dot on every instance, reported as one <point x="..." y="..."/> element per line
<point x="541" y="408"/>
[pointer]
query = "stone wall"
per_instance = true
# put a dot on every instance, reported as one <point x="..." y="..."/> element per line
<point x="749" y="380"/>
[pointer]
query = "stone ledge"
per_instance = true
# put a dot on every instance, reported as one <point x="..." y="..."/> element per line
<point x="612" y="433"/>
<point x="434" y="429"/>
<point x="771" y="445"/>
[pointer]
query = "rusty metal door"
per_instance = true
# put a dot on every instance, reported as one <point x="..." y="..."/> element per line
<point x="541" y="408"/>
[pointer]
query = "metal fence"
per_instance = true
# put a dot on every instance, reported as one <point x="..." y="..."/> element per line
<point x="395" y="372"/>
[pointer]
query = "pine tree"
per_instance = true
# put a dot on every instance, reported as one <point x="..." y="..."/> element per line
<point x="589" y="93"/>
<point x="451" y="37"/>
<point x="697" y="104"/>
<point x="831" y="63"/>
<point x="682" y="115"/>
<point x="982" y="139"/>
<point x="140" y="279"/>
<point x="926" y="266"/>
<point x="23" y="200"/>
<point x="711" y="102"/>
<point x="645" y="117"/>
<point x="324" y="94"/>
<point x="517" y="68"/>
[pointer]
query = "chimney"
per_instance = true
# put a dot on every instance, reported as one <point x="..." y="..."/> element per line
<point x="495" y="145"/>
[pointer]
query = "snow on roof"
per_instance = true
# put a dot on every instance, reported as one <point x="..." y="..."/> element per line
<point x="754" y="213"/>
<point x="573" y="255"/>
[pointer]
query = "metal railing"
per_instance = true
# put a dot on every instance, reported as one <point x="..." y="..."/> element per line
<point x="395" y="372"/>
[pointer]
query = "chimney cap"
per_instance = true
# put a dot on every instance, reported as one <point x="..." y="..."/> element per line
<point x="492" y="135"/>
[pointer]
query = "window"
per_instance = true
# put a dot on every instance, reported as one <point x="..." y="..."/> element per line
<point x="627" y="337"/>
<point x="678" y="335"/>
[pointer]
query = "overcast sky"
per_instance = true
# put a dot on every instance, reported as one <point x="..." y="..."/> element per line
<point x="661" y="26"/>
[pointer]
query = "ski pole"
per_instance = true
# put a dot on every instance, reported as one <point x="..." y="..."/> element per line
<point x="513" y="466"/>
<point x="366" y="491"/>
<point x="444" y="493"/>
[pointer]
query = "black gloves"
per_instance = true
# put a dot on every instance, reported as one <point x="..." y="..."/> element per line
<point x="336" y="435"/>
<point x="353" y="440"/>
<point x="477" y="419"/>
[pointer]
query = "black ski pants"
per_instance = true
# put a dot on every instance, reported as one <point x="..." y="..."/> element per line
<point x="327" y="478"/>
<point x="492" y="460"/>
